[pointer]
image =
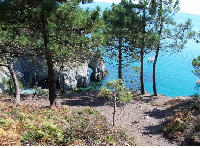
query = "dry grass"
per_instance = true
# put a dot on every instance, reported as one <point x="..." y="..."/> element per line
<point x="32" y="125"/>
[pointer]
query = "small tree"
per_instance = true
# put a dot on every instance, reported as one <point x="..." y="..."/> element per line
<point x="116" y="92"/>
<point x="170" y="35"/>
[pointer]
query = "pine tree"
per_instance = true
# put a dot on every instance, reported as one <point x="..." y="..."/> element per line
<point x="141" y="35"/>
<point x="55" y="29"/>
<point x="121" y="22"/>
<point x="170" y="36"/>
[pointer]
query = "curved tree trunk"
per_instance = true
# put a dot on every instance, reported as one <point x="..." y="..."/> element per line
<point x="15" y="81"/>
<point x="157" y="52"/>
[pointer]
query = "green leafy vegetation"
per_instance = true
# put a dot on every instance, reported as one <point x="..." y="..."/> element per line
<point x="91" y="86"/>
<point x="9" y="84"/>
<point x="57" y="30"/>
<point x="29" y="125"/>
<point x="61" y="31"/>
<point x="42" y="92"/>
<point x="115" y="91"/>
<point x="196" y="65"/>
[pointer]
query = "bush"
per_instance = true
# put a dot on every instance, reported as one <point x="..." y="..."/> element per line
<point x="29" y="125"/>
<point x="8" y="83"/>
<point x="185" y="124"/>
<point x="91" y="86"/>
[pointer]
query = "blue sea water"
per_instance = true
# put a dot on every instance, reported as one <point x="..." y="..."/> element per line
<point x="173" y="70"/>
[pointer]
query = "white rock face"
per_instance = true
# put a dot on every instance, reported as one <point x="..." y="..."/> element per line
<point x="4" y="73"/>
<point x="98" y="67"/>
<point x="32" y="70"/>
<point x="75" y="77"/>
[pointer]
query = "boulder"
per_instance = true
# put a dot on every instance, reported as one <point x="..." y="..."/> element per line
<point x="98" y="67"/>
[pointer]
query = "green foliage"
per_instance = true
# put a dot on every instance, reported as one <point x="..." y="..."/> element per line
<point x="196" y="96"/>
<point x="136" y="69"/>
<point x="132" y="141"/>
<point x="41" y="92"/>
<point x="122" y="25"/>
<point x="60" y="30"/>
<point x="196" y="65"/>
<point x="114" y="89"/>
<point x="91" y="86"/>
<point x="30" y="125"/>
<point x="81" y="34"/>
<point x="8" y="83"/>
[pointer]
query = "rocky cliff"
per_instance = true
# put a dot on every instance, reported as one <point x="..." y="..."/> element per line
<point x="32" y="71"/>
<point x="72" y="76"/>
<point x="98" y="68"/>
<point x="4" y="73"/>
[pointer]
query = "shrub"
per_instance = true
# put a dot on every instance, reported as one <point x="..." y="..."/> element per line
<point x="185" y="124"/>
<point x="9" y="84"/>
<point x="29" y="125"/>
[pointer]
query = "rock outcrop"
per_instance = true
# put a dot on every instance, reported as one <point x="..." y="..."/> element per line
<point x="71" y="78"/>
<point x="31" y="71"/>
<point x="98" y="67"/>
<point x="4" y="73"/>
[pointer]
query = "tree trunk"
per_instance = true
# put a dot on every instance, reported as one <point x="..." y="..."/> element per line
<point x="52" y="89"/>
<point x="142" y="54"/>
<point x="61" y="84"/>
<point x="114" y="107"/>
<point x="120" y="58"/>
<point x="142" y="71"/>
<point x="157" y="52"/>
<point x="15" y="81"/>
<point x="11" y="92"/>
<point x="154" y="71"/>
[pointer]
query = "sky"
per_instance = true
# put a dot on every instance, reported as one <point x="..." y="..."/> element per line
<point x="187" y="6"/>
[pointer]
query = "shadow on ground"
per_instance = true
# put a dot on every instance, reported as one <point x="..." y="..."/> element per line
<point x="90" y="98"/>
<point x="176" y="106"/>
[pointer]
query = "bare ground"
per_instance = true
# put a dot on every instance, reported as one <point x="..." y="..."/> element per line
<point x="142" y="118"/>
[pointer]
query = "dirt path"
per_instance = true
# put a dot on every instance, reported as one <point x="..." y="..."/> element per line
<point x="141" y="118"/>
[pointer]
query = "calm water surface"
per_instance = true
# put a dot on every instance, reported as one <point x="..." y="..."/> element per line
<point x="173" y="71"/>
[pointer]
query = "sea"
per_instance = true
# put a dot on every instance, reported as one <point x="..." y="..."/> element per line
<point x="174" y="75"/>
